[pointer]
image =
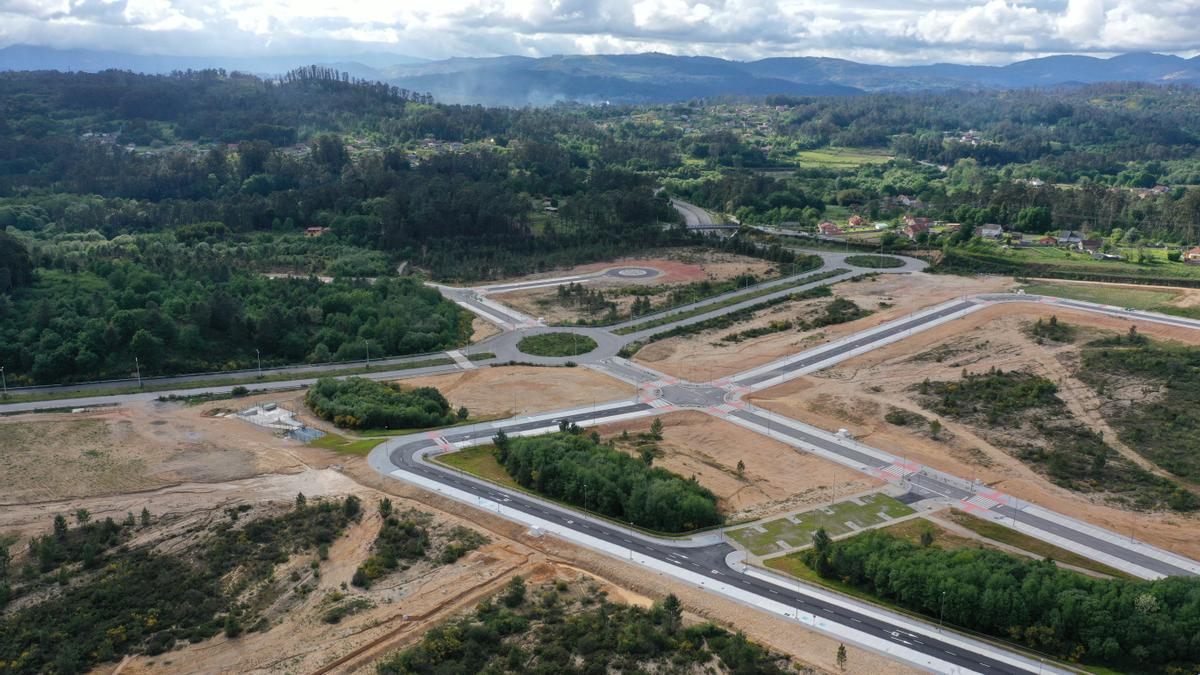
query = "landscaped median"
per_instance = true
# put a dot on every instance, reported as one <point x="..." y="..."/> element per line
<point x="733" y="300"/>
<point x="878" y="262"/>
<point x="556" y="344"/>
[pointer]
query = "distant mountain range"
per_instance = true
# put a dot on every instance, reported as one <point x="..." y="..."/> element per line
<point x="644" y="78"/>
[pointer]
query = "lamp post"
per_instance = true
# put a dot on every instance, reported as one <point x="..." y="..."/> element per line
<point x="942" y="614"/>
<point x="368" y="344"/>
<point x="258" y="355"/>
<point x="4" y="380"/>
<point x="137" y="364"/>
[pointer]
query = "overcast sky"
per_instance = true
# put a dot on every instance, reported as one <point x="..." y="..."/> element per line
<point x="876" y="31"/>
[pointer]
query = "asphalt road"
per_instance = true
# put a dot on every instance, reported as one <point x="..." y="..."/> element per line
<point x="407" y="454"/>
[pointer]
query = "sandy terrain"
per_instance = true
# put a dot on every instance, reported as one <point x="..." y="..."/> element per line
<point x="139" y="447"/>
<point x="482" y="329"/>
<point x="520" y="390"/>
<point x="678" y="266"/>
<point x="857" y="393"/>
<point x="776" y="478"/>
<point x="889" y="296"/>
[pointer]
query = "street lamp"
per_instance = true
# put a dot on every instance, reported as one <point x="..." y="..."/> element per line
<point x="258" y="355"/>
<point x="4" y="380"/>
<point x="138" y="366"/>
<point x="368" y="344"/>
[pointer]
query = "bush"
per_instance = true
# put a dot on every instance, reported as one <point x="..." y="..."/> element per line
<point x="556" y="344"/>
<point x="359" y="403"/>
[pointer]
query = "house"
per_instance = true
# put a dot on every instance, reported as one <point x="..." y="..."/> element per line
<point x="315" y="231"/>
<point x="1069" y="237"/>
<point x="1192" y="255"/>
<point x="991" y="231"/>
<point x="913" y="220"/>
<point x="915" y="229"/>
<point x="1090" y="245"/>
<point x="951" y="227"/>
<point x="855" y="221"/>
<point x="1047" y="241"/>
<point x="829" y="229"/>
<point x="910" y="202"/>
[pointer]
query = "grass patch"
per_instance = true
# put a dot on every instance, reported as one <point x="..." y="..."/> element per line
<point x="1137" y="298"/>
<point x="1007" y="535"/>
<point x="842" y="158"/>
<point x="481" y="461"/>
<point x="346" y="446"/>
<point x="556" y="344"/>
<point x="878" y="262"/>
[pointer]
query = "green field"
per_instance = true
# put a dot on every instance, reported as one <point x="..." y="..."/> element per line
<point x="1157" y="266"/>
<point x="797" y="530"/>
<point x="359" y="446"/>
<point x="843" y="158"/>
<point x="480" y="460"/>
<point x="875" y="261"/>
<point x="557" y="344"/>
<point x="1007" y="535"/>
<point x="1137" y="298"/>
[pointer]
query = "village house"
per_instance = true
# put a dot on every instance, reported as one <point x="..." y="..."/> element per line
<point x="315" y="231"/>
<point x="1192" y="255"/>
<point x="1090" y="245"/>
<point x="1047" y="241"/>
<point x="991" y="231"/>
<point x="1069" y="237"/>
<point x="829" y="229"/>
<point x="915" y="228"/>
<point x="855" y="221"/>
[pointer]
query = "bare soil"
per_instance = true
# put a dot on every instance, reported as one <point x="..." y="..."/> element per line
<point x="857" y="394"/>
<point x="776" y="477"/>
<point x="678" y="266"/>
<point x="888" y="296"/>
<point x="521" y="390"/>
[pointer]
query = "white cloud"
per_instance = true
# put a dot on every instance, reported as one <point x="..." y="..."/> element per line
<point x="894" y="31"/>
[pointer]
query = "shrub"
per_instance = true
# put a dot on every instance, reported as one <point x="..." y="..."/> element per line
<point x="359" y="403"/>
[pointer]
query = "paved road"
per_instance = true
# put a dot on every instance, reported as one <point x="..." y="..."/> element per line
<point x="696" y="218"/>
<point x="402" y="456"/>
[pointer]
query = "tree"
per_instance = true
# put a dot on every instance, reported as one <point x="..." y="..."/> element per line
<point x="926" y="537"/>
<point x="385" y="508"/>
<point x="147" y="348"/>
<point x="656" y="429"/>
<point x="233" y="627"/>
<point x="463" y="413"/>
<point x="935" y="427"/>
<point x="841" y="657"/>
<point x="674" y="612"/>
<point x="145" y="517"/>
<point x="60" y="527"/>
<point x="514" y="592"/>
<point x="741" y="469"/>
<point x="82" y="516"/>
<point x="301" y="500"/>
<point x="16" y="267"/>
<point x="821" y="546"/>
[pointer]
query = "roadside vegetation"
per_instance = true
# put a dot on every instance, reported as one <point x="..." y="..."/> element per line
<point x="404" y="538"/>
<point x="359" y="403"/>
<point x="1023" y="414"/>
<point x="1131" y="625"/>
<point x="85" y="595"/>
<point x="874" y="261"/>
<point x="1152" y="397"/>
<point x="556" y="344"/>
<point x="581" y="471"/>
<point x="574" y="628"/>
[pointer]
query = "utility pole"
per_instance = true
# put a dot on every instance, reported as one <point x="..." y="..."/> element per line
<point x="4" y="380"/>
<point x="942" y="616"/>
<point x="258" y="355"/>
<point x="138" y="366"/>
<point x="368" y="344"/>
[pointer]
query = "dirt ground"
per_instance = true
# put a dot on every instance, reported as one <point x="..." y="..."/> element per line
<point x="142" y="446"/>
<point x="678" y="266"/>
<point x="857" y="393"/>
<point x="888" y="296"/>
<point x="481" y="329"/>
<point x="777" y="478"/>
<point x="521" y="390"/>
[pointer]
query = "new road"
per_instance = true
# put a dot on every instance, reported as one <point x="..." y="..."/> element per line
<point x="707" y="560"/>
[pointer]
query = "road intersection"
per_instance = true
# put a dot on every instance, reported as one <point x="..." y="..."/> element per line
<point x="707" y="560"/>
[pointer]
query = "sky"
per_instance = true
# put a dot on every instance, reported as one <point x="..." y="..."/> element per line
<point x="873" y="31"/>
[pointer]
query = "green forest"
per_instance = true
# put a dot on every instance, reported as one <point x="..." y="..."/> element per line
<point x="581" y="471"/>
<point x="1134" y="626"/>
<point x="360" y="403"/>
<point x="573" y="629"/>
